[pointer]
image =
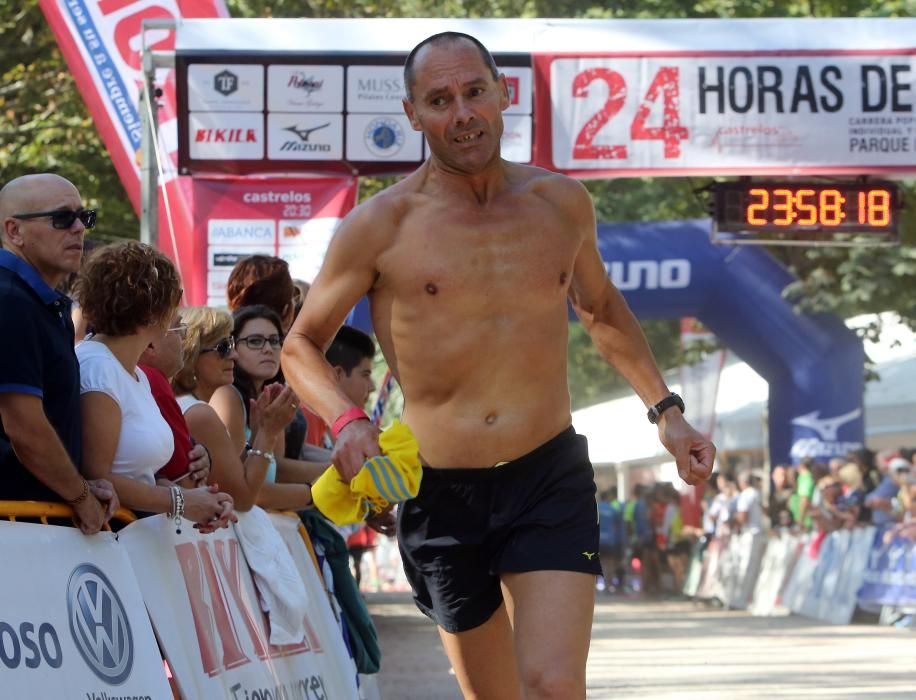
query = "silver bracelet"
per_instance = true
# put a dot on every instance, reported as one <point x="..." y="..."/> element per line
<point x="261" y="453"/>
<point x="178" y="512"/>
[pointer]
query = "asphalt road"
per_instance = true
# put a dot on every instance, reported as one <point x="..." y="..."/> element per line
<point x="678" y="650"/>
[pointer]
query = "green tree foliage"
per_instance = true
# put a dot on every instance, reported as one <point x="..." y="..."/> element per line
<point x="44" y="123"/>
<point x="45" y="126"/>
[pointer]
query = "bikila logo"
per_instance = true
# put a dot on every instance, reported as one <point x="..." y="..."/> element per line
<point x="827" y="444"/>
<point x="225" y="83"/>
<point x="384" y="137"/>
<point x="99" y="624"/>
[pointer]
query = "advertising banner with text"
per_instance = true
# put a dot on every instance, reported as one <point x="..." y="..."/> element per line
<point x="72" y="622"/>
<point x="592" y="98"/>
<point x="768" y="112"/>
<point x="102" y="42"/>
<point x="291" y="218"/>
<point x="204" y="606"/>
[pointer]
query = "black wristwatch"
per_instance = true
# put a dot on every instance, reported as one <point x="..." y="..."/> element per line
<point x="658" y="409"/>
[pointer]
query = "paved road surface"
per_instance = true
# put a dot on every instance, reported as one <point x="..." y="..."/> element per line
<point x="680" y="651"/>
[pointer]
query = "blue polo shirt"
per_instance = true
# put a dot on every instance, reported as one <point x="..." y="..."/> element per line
<point x="37" y="358"/>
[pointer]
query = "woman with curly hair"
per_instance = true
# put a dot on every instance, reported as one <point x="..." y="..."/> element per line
<point x="129" y="293"/>
<point x="209" y="355"/>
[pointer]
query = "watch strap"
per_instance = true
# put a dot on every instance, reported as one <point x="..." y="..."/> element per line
<point x="656" y="411"/>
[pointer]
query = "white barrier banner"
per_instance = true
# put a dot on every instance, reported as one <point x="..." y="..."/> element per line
<point x="203" y="604"/>
<point x="72" y="622"/>
<point x="324" y="619"/>
<point x="781" y="554"/>
<point x="839" y="574"/>
<point x="325" y="623"/>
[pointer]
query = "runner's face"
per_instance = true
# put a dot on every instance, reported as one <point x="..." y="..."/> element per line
<point x="457" y="105"/>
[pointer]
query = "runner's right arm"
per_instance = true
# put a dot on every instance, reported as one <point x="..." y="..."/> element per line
<point x="348" y="272"/>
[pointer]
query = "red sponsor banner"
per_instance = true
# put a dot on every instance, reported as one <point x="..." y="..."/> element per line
<point x="236" y="217"/>
<point x="101" y="42"/>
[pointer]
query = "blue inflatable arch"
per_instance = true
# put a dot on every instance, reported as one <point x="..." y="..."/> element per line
<point x="813" y="363"/>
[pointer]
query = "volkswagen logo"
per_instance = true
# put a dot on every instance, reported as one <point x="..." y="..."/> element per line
<point x="99" y="624"/>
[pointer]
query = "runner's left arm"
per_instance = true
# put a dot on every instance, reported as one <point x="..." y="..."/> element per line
<point x="618" y="336"/>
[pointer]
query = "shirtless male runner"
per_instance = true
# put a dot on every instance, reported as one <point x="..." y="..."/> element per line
<point x="469" y="263"/>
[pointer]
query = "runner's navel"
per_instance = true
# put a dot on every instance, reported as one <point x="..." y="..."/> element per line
<point x="431" y="288"/>
<point x="490" y="419"/>
<point x="562" y="278"/>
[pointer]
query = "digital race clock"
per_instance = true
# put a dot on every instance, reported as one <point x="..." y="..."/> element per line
<point x="797" y="206"/>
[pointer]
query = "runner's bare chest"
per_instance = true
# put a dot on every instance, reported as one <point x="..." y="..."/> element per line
<point x="514" y="256"/>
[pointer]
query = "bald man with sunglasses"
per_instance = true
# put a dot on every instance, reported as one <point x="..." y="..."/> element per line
<point x="43" y="224"/>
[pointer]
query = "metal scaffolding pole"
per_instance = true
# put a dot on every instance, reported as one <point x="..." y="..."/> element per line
<point x="149" y="120"/>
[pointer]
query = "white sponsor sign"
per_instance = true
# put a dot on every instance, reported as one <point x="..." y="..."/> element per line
<point x="72" y="622"/>
<point x="733" y="114"/>
<point x="217" y="282"/>
<point x="224" y="257"/>
<point x="304" y="88"/>
<point x="260" y="232"/>
<point x="515" y="144"/>
<point x="226" y="135"/>
<point x="519" y="83"/>
<point x="201" y="598"/>
<point x="375" y="89"/>
<point x="225" y="87"/>
<point x="382" y="137"/>
<point x="304" y="136"/>
<point x="306" y="252"/>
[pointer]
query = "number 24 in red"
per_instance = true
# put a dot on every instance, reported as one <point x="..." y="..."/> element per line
<point x="671" y="133"/>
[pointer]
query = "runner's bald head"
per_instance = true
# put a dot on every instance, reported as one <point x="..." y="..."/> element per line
<point x="436" y="40"/>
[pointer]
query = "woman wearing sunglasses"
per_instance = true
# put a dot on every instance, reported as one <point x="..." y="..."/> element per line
<point x="258" y="339"/>
<point x="210" y="356"/>
<point x="129" y="293"/>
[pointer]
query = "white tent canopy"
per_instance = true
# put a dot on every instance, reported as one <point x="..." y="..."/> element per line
<point x="618" y="432"/>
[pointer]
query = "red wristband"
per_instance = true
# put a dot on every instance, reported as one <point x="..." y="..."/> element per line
<point x="347" y="417"/>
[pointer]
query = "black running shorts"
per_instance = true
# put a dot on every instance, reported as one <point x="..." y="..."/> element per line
<point x="468" y="526"/>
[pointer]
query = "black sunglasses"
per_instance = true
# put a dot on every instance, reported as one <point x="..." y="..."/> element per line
<point x="223" y="348"/>
<point x="64" y="218"/>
